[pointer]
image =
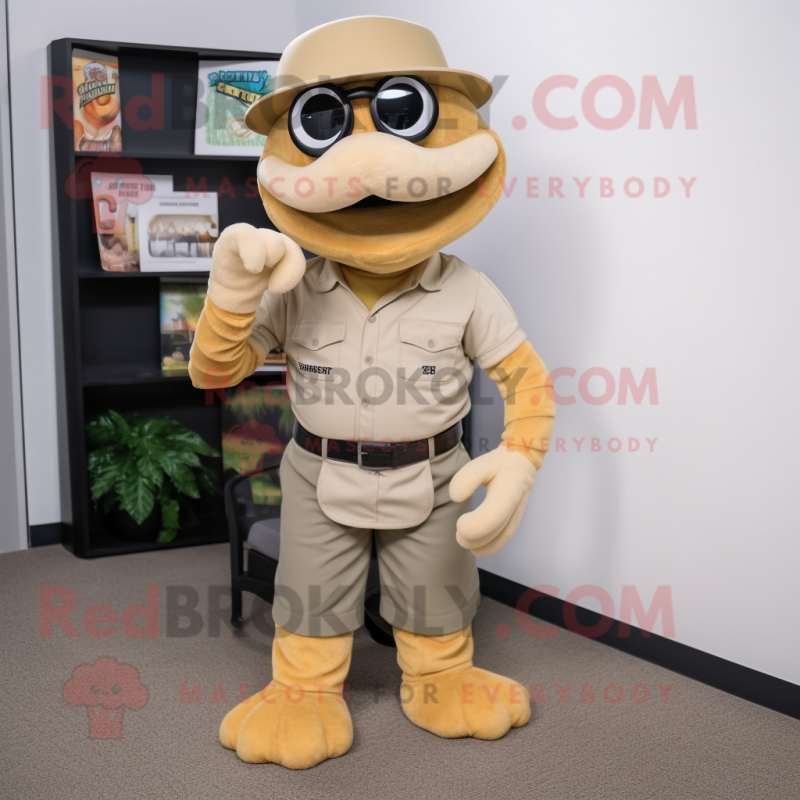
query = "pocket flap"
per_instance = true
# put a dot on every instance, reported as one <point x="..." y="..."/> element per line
<point x="314" y="334"/>
<point x="431" y="336"/>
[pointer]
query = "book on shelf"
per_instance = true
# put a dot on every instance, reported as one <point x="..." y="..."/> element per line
<point x="256" y="427"/>
<point x="227" y="89"/>
<point x="180" y="305"/>
<point x="272" y="360"/>
<point x="116" y="199"/>
<point x="96" y="104"/>
<point x="177" y="232"/>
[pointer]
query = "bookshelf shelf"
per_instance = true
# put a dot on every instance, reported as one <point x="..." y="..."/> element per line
<point x="108" y="336"/>
<point x="108" y="375"/>
<point x="176" y="156"/>
<point x="214" y="532"/>
<point x="130" y="374"/>
<point x="176" y="277"/>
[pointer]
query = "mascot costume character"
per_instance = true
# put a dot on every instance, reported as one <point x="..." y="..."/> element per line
<point x="375" y="158"/>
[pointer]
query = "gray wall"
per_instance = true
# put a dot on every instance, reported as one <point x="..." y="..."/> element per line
<point x="13" y="524"/>
<point x="703" y="290"/>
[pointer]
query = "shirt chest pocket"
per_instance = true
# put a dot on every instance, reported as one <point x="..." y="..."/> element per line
<point x="428" y="350"/>
<point x="317" y="347"/>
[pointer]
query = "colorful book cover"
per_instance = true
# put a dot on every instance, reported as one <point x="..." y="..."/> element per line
<point x="117" y="198"/>
<point x="180" y="307"/>
<point x="256" y="427"/>
<point x="227" y="91"/>
<point x="96" y="102"/>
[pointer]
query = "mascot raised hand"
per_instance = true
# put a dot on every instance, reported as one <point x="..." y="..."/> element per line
<point x="376" y="158"/>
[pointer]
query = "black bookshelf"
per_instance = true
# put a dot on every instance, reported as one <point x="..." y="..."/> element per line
<point x="107" y="342"/>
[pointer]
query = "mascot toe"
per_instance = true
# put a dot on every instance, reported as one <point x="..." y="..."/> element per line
<point x="301" y="718"/>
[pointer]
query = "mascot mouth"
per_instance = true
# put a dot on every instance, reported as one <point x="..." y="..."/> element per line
<point x="374" y="169"/>
<point x="373" y="201"/>
<point x="378" y="233"/>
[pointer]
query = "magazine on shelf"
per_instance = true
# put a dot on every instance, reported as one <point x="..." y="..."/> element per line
<point x="96" y="102"/>
<point x="180" y="305"/>
<point x="177" y="233"/>
<point x="227" y="89"/>
<point x="116" y="198"/>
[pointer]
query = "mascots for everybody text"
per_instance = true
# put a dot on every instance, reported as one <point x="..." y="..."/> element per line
<point x="376" y="157"/>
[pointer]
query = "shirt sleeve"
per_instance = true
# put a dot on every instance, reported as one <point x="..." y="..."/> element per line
<point x="492" y="331"/>
<point x="269" y="327"/>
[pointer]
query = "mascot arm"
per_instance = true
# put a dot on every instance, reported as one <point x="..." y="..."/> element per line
<point x="222" y="354"/>
<point x="509" y="471"/>
<point x="527" y="391"/>
<point x="249" y="266"/>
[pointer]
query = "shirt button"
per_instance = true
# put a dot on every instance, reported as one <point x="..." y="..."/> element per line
<point x="365" y="402"/>
<point x="372" y="319"/>
<point x="368" y="359"/>
<point x="315" y="342"/>
<point x="431" y="343"/>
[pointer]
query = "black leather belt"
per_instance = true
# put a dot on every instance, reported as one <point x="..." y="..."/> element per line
<point x="378" y="455"/>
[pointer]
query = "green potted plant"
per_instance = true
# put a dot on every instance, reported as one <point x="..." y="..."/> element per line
<point x="141" y="471"/>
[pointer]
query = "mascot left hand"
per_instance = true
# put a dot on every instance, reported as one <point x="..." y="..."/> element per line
<point x="508" y="477"/>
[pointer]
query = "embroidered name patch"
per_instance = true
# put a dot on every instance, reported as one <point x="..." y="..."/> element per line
<point x="313" y="368"/>
<point x="429" y="370"/>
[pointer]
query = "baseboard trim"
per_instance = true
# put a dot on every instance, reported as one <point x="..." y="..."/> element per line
<point x="749" y="684"/>
<point x="41" y="535"/>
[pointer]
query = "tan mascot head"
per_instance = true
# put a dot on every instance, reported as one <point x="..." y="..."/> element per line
<point x="376" y="156"/>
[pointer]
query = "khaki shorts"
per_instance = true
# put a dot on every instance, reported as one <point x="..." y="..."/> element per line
<point x="429" y="583"/>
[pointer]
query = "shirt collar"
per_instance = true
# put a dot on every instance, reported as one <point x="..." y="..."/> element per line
<point x="429" y="272"/>
<point x="329" y="276"/>
<point x="426" y="274"/>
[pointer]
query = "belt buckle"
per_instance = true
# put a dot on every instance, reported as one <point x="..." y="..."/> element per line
<point x="379" y="445"/>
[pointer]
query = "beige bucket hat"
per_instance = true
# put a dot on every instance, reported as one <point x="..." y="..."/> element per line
<point x="360" y="48"/>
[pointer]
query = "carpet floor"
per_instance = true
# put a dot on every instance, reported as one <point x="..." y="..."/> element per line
<point x="623" y="729"/>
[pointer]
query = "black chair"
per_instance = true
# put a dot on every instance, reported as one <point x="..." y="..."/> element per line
<point x="255" y="533"/>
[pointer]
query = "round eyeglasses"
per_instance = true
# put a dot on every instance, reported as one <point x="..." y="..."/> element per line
<point x="402" y="106"/>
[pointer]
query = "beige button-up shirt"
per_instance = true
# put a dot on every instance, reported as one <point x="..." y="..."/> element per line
<point x="399" y="372"/>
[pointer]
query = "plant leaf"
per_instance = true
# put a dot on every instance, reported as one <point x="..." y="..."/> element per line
<point x="182" y="478"/>
<point x="170" y="509"/>
<point x="186" y="457"/>
<point x="155" y="426"/>
<point x="166" y="536"/>
<point x="101" y="432"/>
<point x="187" y="440"/>
<point x="208" y="481"/>
<point x="123" y="429"/>
<point x="107" y="467"/>
<point x="135" y="496"/>
<point x="150" y="469"/>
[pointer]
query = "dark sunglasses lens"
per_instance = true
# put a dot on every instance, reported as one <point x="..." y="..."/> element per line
<point x="322" y="117"/>
<point x="399" y="107"/>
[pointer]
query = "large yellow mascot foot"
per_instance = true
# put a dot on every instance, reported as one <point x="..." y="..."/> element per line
<point x="445" y="694"/>
<point x="301" y="717"/>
